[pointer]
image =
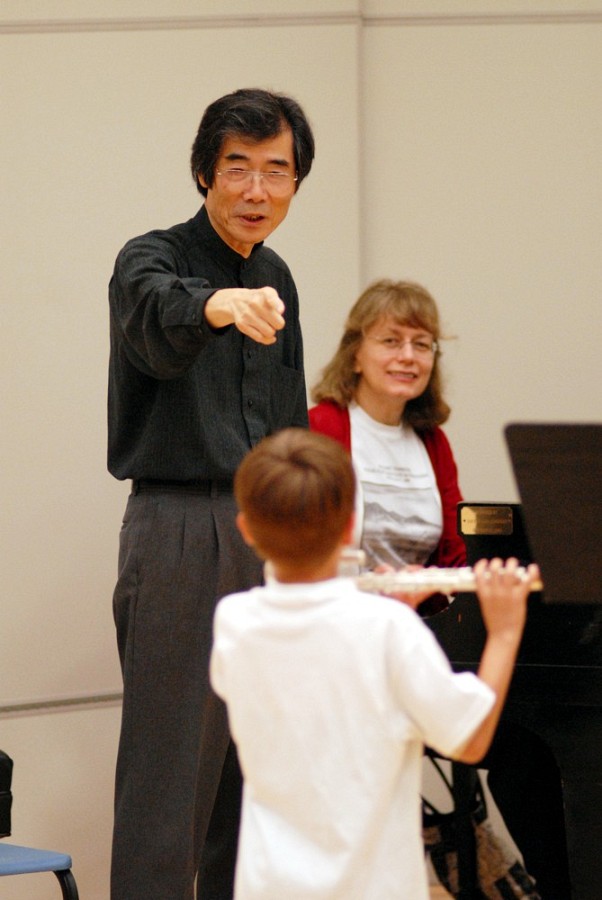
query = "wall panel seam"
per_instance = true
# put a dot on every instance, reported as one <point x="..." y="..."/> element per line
<point x="526" y="18"/>
<point x="291" y="21"/>
<point x="170" y="24"/>
<point x="59" y="704"/>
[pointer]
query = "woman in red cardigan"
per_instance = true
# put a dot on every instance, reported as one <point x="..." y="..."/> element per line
<point x="380" y="396"/>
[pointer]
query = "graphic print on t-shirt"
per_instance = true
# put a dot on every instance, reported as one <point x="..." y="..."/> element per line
<point x="402" y="519"/>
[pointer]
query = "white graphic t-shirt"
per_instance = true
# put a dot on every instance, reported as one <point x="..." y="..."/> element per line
<point x="397" y="491"/>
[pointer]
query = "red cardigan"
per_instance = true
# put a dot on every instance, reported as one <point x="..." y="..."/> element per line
<point x="333" y="420"/>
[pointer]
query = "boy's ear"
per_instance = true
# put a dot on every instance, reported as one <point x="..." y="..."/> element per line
<point x="348" y="532"/>
<point x="241" y="524"/>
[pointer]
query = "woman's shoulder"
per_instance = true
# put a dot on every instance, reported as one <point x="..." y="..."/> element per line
<point x="332" y="420"/>
<point x="436" y="439"/>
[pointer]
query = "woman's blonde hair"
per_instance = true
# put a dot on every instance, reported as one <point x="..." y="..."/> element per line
<point x="407" y="303"/>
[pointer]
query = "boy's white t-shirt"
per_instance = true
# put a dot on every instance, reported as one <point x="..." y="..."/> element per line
<point x="332" y="694"/>
<point x="399" y="505"/>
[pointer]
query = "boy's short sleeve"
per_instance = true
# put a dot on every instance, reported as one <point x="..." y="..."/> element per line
<point x="444" y="707"/>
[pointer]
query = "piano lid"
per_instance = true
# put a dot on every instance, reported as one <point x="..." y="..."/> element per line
<point x="558" y="473"/>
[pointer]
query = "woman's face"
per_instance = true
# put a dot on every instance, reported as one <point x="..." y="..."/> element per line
<point x="394" y="363"/>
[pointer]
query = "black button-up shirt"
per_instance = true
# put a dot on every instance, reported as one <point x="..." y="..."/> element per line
<point x="187" y="401"/>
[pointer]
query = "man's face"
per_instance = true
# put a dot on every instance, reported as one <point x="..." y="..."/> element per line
<point x="245" y="213"/>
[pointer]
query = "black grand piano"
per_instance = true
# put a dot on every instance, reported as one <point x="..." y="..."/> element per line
<point x="556" y="691"/>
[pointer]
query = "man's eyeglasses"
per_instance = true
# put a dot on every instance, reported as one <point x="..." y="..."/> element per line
<point x="275" y="182"/>
<point x="420" y="346"/>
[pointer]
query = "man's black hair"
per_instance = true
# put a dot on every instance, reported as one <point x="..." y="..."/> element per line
<point x="253" y="114"/>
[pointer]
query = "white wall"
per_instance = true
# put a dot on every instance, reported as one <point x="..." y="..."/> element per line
<point x="481" y="178"/>
<point x="458" y="143"/>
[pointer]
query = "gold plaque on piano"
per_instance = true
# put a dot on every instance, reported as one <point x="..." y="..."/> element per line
<point x="486" y="519"/>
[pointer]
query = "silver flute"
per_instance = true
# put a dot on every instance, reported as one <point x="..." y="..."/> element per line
<point x="435" y="580"/>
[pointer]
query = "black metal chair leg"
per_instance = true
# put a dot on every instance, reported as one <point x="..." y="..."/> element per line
<point x="68" y="885"/>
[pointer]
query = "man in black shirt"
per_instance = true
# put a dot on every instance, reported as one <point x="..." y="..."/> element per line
<point x="206" y="360"/>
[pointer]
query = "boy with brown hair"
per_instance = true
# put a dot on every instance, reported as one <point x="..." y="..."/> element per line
<point x="332" y="693"/>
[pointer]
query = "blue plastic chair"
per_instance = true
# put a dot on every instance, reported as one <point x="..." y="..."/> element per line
<point x="15" y="860"/>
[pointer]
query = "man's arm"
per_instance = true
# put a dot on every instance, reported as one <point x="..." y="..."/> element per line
<point x="503" y="599"/>
<point x="258" y="313"/>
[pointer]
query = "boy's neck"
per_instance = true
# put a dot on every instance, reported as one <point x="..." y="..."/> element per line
<point x="288" y="573"/>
